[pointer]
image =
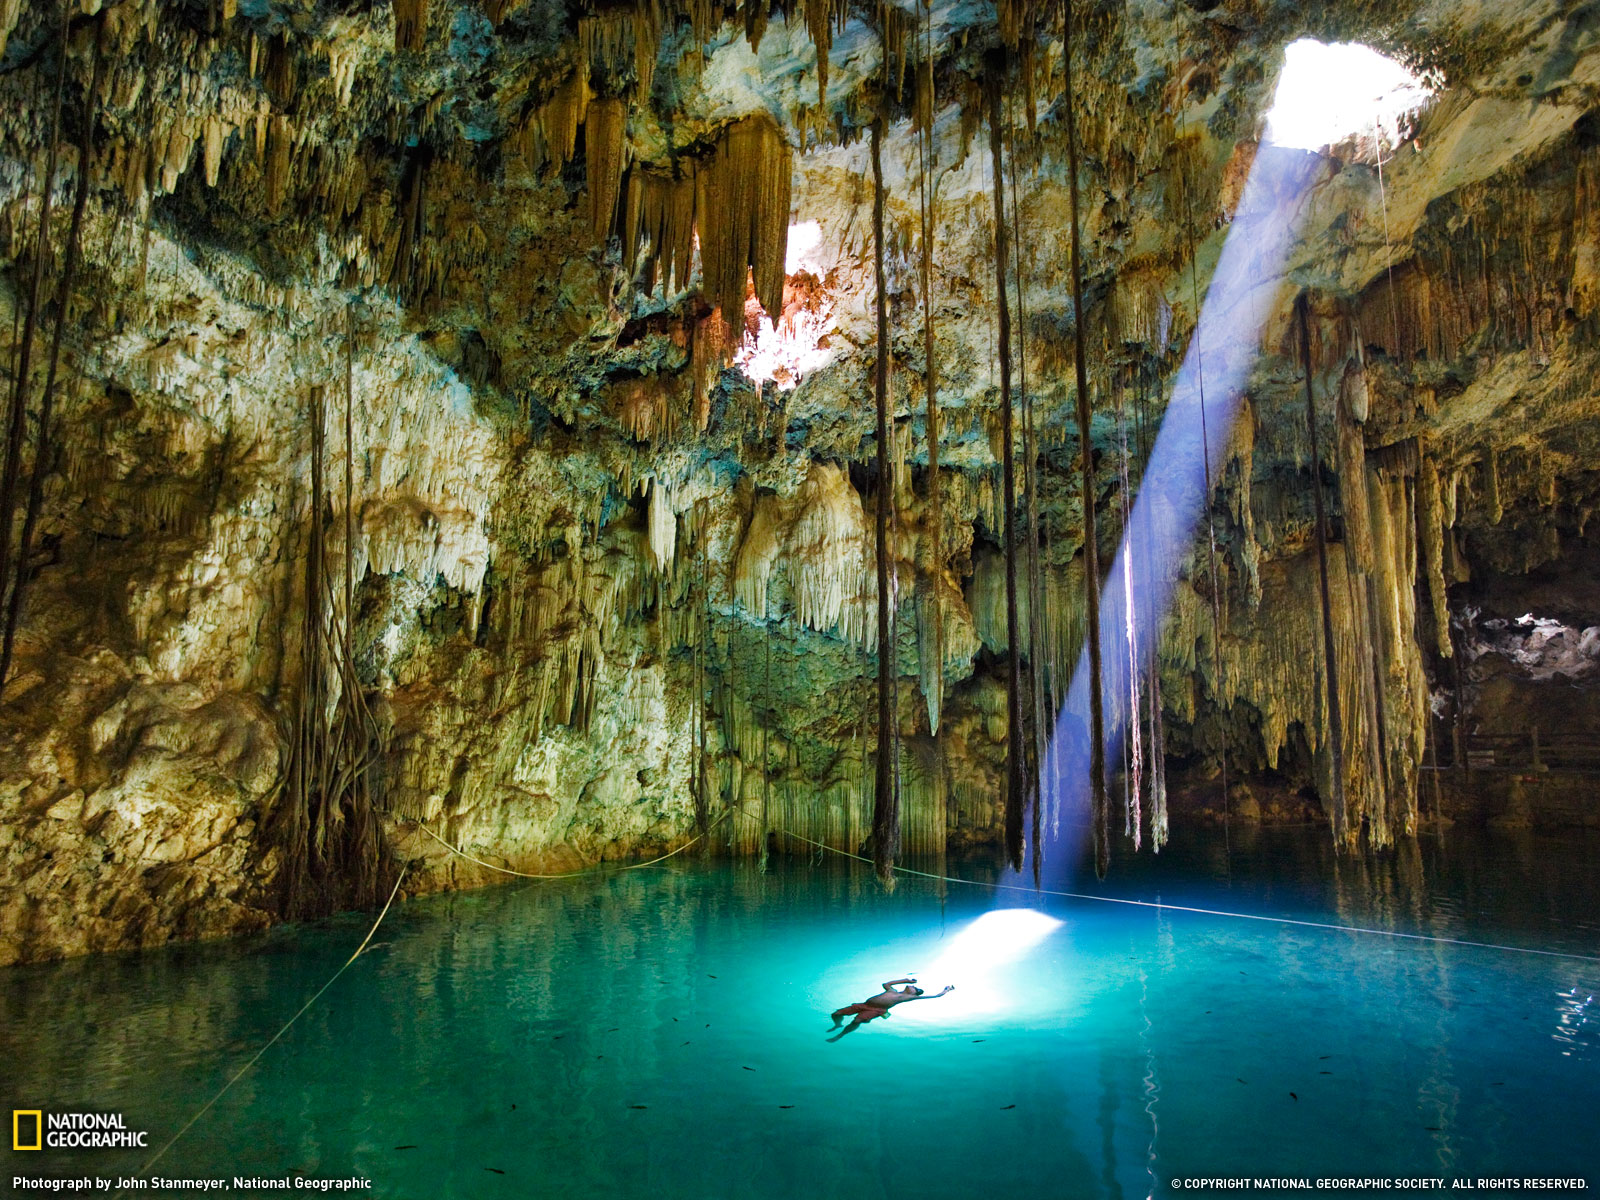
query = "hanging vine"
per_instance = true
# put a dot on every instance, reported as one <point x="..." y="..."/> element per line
<point x="324" y="819"/>
<point x="1152" y="665"/>
<point x="885" y="805"/>
<point x="934" y="679"/>
<point x="1099" y="802"/>
<point x="42" y="451"/>
<point x="17" y="423"/>
<point x="1187" y="187"/>
<point x="1030" y="491"/>
<point x="996" y="67"/>
<point x="1133" y="778"/>
<point x="1330" y="661"/>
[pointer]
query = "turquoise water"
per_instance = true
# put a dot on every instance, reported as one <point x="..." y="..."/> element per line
<point x="663" y="1032"/>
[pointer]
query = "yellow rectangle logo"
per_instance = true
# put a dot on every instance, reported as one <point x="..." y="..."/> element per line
<point x="17" y="1124"/>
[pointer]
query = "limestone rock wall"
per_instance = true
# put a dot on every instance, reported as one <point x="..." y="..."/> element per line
<point x="608" y="592"/>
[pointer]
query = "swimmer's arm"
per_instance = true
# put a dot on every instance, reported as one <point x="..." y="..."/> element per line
<point x="889" y="984"/>
<point x="949" y="987"/>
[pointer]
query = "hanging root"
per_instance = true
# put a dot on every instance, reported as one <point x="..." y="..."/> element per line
<point x="42" y="447"/>
<point x="17" y="425"/>
<point x="885" y="806"/>
<point x="334" y="852"/>
<point x="1330" y="662"/>
<point x="994" y="74"/>
<point x="1099" y="801"/>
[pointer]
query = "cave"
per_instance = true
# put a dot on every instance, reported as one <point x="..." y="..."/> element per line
<point x="562" y="561"/>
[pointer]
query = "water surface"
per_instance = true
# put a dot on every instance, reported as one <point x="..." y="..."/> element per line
<point x="663" y="1032"/>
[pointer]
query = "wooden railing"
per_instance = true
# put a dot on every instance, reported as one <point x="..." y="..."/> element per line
<point x="1528" y="751"/>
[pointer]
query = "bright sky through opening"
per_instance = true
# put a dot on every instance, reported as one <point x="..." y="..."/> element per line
<point x="1326" y="93"/>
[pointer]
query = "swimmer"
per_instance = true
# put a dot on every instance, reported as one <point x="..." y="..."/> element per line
<point x="879" y="1005"/>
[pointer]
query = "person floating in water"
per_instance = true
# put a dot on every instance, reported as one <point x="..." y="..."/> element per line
<point x="879" y="1005"/>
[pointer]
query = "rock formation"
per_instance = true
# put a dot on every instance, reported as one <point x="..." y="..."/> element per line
<point x="605" y="585"/>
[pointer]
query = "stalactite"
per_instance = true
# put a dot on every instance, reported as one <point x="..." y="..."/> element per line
<point x="1158" y="759"/>
<point x="756" y="15"/>
<point x="709" y="351"/>
<point x="1363" y="563"/>
<point x="550" y="132"/>
<point x="1491" y="485"/>
<point x="215" y="134"/>
<point x="663" y="527"/>
<point x="896" y="29"/>
<point x="1341" y="830"/>
<point x="885" y="805"/>
<point x="742" y="216"/>
<point x="1099" y="801"/>
<point x="280" y="143"/>
<point x="1431" y="533"/>
<point x="821" y="18"/>
<point x="666" y="220"/>
<point x="42" y="443"/>
<point x="1013" y="17"/>
<point x="17" y="305"/>
<point x="410" y="24"/>
<point x="605" y="158"/>
<point x="1400" y="679"/>
<point x="617" y="39"/>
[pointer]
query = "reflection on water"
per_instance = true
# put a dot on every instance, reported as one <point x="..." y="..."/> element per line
<point x="663" y="1032"/>
<point x="1572" y="1022"/>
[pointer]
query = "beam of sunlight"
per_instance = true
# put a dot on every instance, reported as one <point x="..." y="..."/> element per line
<point x="986" y="960"/>
<point x="1243" y="294"/>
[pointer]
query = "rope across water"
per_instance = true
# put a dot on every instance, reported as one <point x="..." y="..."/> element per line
<point x="317" y="995"/>
<point x="571" y="874"/>
<point x="1207" y="912"/>
<point x="256" y="1057"/>
<point x="1011" y="887"/>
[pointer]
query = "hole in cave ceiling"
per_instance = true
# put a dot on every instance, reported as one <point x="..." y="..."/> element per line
<point x="1330" y="92"/>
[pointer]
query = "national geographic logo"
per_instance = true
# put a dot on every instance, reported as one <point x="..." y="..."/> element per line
<point x="35" y="1129"/>
<point x="27" y="1119"/>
